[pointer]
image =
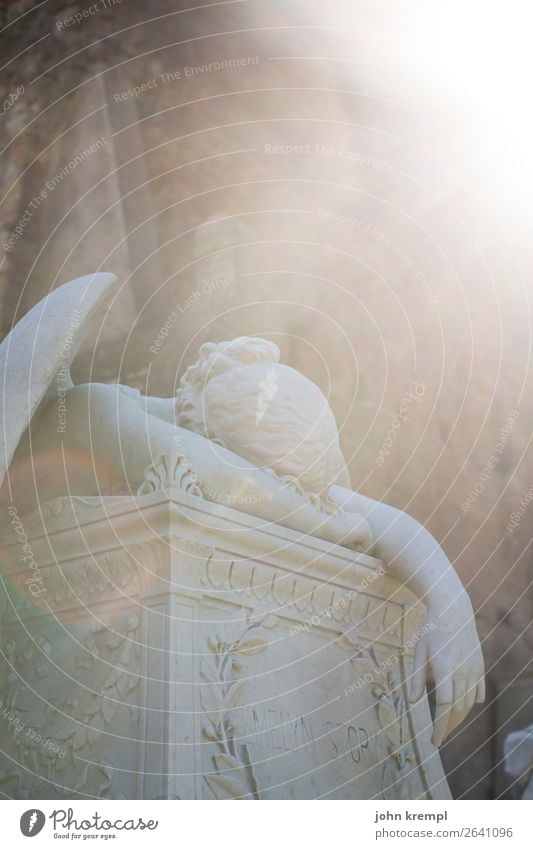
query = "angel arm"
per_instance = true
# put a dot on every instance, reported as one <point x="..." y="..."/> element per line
<point x="128" y="432"/>
<point x="449" y="653"/>
<point x="35" y="357"/>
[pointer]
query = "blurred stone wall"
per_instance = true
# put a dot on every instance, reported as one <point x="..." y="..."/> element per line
<point x="256" y="171"/>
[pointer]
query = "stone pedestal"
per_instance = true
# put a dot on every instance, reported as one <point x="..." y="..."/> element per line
<point x="165" y="647"/>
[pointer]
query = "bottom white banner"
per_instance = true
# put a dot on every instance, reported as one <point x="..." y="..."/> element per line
<point x="307" y="823"/>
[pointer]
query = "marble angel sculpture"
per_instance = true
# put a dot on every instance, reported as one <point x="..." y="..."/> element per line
<point x="259" y="436"/>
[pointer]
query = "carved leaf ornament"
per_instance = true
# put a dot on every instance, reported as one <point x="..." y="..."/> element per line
<point x="219" y="695"/>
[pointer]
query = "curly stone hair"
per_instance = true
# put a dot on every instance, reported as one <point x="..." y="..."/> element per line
<point x="240" y="396"/>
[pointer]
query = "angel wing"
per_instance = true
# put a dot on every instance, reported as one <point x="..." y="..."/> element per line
<point x="42" y="346"/>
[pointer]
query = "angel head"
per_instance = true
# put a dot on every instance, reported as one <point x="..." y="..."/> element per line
<point x="239" y="395"/>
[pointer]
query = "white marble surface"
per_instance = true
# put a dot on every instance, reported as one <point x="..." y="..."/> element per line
<point x="245" y="431"/>
<point x="518" y="760"/>
<point x="183" y="649"/>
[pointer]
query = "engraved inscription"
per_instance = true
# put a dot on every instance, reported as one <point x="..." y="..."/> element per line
<point x="279" y="730"/>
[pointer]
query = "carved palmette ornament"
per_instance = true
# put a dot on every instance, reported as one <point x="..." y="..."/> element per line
<point x="171" y="469"/>
<point x="233" y="776"/>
